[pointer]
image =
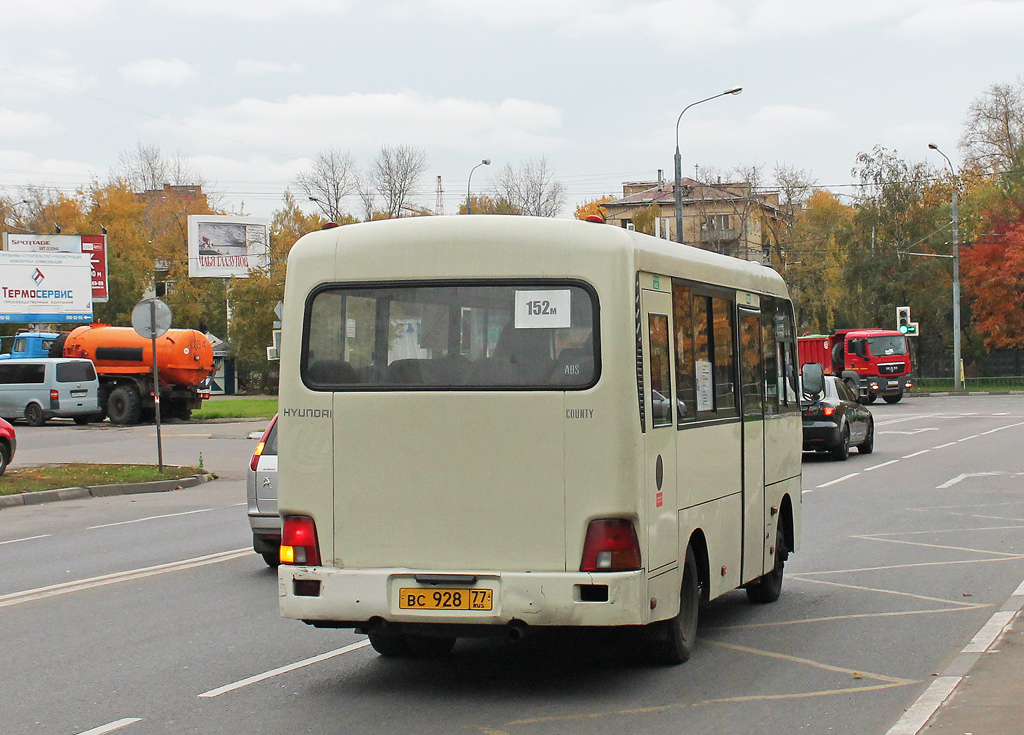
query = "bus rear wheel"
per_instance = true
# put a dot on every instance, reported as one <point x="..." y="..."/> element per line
<point x="768" y="587"/>
<point x="679" y="634"/>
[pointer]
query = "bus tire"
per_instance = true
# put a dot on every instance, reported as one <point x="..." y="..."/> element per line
<point x="392" y="645"/>
<point x="768" y="587"/>
<point x="680" y="633"/>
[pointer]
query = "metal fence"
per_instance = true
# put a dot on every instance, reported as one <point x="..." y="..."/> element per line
<point x="1002" y="383"/>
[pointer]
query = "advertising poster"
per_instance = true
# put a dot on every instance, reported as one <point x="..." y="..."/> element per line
<point x="45" y="287"/>
<point x="93" y="245"/>
<point x="222" y="246"/>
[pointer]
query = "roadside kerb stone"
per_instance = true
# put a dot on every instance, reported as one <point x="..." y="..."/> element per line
<point x="102" y="491"/>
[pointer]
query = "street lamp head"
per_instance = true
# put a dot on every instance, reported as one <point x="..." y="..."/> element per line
<point x="486" y="162"/>
<point x="733" y="90"/>
<point x="933" y="146"/>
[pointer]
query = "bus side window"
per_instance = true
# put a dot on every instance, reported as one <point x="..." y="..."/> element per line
<point x="682" y="320"/>
<point x="661" y="379"/>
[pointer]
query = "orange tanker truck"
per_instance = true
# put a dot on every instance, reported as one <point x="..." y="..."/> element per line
<point x="124" y="364"/>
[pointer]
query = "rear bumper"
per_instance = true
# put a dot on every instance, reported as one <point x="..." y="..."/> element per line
<point x="820" y="435"/>
<point x="366" y="598"/>
<point x="266" y="531"/>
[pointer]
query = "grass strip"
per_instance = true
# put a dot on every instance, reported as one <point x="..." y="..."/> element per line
<point x="51" y="477"/>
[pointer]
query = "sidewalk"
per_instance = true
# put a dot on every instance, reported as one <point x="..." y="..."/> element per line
<point x="982" y="691"/>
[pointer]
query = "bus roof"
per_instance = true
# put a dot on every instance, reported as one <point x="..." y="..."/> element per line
<point x="484" y="246"/>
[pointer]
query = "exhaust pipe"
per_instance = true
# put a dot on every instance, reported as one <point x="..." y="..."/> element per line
<point x="517" y="630"/>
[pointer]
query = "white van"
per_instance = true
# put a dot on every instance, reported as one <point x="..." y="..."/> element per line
<point x="38" y="389"/>
<point x="493" y="424"/>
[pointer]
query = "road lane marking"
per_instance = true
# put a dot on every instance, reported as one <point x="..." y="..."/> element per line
<point x="124" y="722"/>
<point x="1000" y="428"/>
<point x="884" y="464"/>
<point x="282" y="670"/>
<point x="877" y="537"/>
<point x="943" y="446"/>
<point x="16" y="598"/>
<point x="27" y="538"/>
<point x="911" y="595"/>
<point x="922" y="710"/>
<point x="968" y="438"/>
<point x="152" y="518"/>
<point x="916" y="454"/>
<point x="959" y="478"/>
<point x="911" y="432"/>
<point x="839" y="479"/>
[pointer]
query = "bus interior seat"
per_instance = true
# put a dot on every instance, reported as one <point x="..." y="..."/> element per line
<point x="332" y="372"/>
<point x="521" y="357"/>
<point x="575" y="365"/>
<point x="405" y="372"/>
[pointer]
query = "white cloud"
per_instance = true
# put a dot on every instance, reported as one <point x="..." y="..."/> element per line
<point x="250" y="10"/>
<point x="364" y="122"/>
<point x="157" y="72"/>
<point x="955" y="19"/>
<point x="39" y="13"/>
<point x="26" y="124"/>
<point x="254" y="68"/>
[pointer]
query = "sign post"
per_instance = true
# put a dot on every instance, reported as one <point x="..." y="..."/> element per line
<point x="151" y="318"/>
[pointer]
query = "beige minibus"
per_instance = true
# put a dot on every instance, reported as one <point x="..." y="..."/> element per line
<point x="494" y="424"/>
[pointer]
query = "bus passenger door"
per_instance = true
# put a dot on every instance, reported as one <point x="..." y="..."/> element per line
<point x="752" y="382"/>
<point x="660" y="432"/>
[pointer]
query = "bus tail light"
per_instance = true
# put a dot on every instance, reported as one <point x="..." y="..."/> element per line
<point x="611" y="546"/>
<point x="298" y="541"/>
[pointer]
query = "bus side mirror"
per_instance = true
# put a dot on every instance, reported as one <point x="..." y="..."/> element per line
<point x="813" y="376"/>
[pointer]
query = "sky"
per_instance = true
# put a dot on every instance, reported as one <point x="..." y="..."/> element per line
<point x="250" y="90"/>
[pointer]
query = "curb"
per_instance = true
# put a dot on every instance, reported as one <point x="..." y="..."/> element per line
<point x="102" y="491"/>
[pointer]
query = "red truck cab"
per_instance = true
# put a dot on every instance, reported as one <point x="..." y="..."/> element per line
<point x="873" y="362"/>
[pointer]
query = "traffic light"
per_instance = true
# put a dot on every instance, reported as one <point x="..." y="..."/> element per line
<point x="903" y="319"/>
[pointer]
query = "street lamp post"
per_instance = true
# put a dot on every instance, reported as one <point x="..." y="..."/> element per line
<point x="469" y="198"/>
<point x="678" y="188"/>
<point x="957" y="382"/>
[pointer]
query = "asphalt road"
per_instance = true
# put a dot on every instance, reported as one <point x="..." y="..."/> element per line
<point x="149" y="613"/>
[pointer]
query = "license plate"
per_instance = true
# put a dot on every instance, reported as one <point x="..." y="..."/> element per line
<point x="79" y="393"/>
<point x="436" y="598"/>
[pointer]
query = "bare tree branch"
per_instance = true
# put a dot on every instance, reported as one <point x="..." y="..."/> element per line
<point x="394" y="174"/>
<point x="330" y="178"/>
<point x="994" y="128"/>
<point x="531" y="189"/>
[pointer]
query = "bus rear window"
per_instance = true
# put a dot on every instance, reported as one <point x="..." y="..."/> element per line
<point x="528" y="336"/>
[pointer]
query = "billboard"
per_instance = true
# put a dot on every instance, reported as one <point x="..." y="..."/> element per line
<point x="50" y="287"/>
<point x="94" y="245"/>
<point x="221" y="246"/>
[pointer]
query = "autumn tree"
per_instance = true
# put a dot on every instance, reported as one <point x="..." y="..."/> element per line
<point x="992" y="256"/>
<point x="531" y="188"/>
<point x="815" y="261"/>
<point x="116" y="210"/>
<point x="483" y="204"/>
<point x="593" y="207"/>
<point x="253" y="299"/>
<point x="331" y="177"/>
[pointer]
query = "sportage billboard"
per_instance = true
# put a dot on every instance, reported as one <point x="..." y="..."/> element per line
<point x="45" y="287"/>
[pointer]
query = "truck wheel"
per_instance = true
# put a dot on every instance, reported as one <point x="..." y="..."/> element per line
<point x="124" y="405"/>
<point x="34" y="415"/>
<point x="893" y="399"/>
